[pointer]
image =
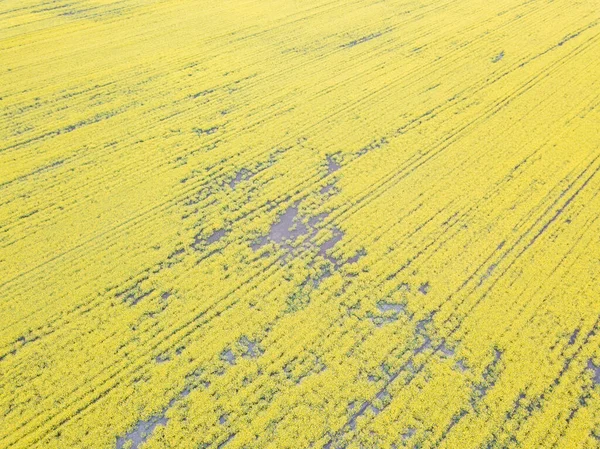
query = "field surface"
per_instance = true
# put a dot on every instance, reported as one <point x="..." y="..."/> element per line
<point x="299" y="224"/>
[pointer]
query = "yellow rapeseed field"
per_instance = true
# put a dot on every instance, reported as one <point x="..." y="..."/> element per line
<point x="299" y="224"/>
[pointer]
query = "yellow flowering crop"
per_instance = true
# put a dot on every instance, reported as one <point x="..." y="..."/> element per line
<point x="278" y="224"/>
